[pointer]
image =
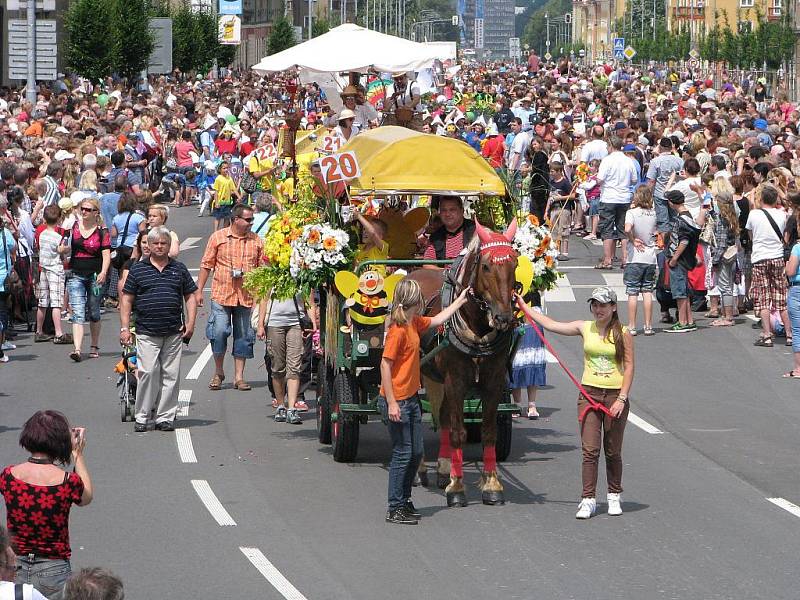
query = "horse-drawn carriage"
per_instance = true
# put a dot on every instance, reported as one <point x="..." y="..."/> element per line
<point x="464" y="363"/>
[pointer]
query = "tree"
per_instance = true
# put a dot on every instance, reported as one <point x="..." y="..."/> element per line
<point x="88" y="30"/>
<point x="132" y="41"/>
<point x="281" y="37"/>
<point x="319" y="27"/>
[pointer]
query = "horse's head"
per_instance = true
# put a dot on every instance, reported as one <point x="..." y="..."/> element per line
<point x="495" y="279"/>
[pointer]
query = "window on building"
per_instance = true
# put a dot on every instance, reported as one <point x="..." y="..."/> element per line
<point x="745" y="27"/>
<point x="746" y="4"/>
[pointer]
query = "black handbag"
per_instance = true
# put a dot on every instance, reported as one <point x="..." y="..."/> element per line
<point x="123" y="253"/>
<point x="306" y="323"/>
<point x="249" y="183"/>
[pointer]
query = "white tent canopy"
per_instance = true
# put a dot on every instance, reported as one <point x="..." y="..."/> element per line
<point x="352" y="48"/>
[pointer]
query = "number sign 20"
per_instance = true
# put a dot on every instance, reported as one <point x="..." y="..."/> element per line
<point x="339" y="167"/>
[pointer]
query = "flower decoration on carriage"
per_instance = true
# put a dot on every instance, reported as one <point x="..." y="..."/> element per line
<point x="582" y="172"/>
<point x="533" y="241"/>
<point x="317" y="253"/>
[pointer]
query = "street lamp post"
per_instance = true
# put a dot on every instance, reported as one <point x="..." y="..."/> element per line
<point x="547" y="41"/>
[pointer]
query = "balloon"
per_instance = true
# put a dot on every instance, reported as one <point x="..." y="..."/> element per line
<point x="231" y="119"/>
<point x="645" y="79"/>
<point x="470" y="116"/>
<point x="102" y="99"/>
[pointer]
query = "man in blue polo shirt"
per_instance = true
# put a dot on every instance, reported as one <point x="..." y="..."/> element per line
<point x="156" y="289"/>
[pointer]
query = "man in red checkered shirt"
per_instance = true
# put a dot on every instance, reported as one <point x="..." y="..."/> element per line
<point x="454" y="234"/>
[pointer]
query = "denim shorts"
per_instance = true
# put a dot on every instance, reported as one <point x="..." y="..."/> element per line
<point x="85" y="304"/>
<point x="639" y="278"/>
<point x="224" y="320"/>
<point x="47" y="575"/>
<point x="594" y="207"/>
<point x="612" y="221"/>
<point x="678" y="282"/>
<point x="222" y="212"/>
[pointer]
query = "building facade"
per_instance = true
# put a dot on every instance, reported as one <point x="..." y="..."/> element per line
<point x="593" y="24"/>
<point x="497" y="18"/>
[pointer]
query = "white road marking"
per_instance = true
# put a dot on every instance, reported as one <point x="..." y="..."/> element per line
<point x="643" y="425"/>
<point x="185" y="448"/>
<point x="200" y="363"/>
<point x="786" y="505"/>
<point x="271" y="574"/>
<point x="614" y="281"/>
<point x="751" y="317"/>
<point x="597" y="242"/>
<point x="563" y="267"/>
<point x="189" y="242"/>
<point x="562" y="291"/>
<point x="212" y="503"/>
<point x="550" y="358"/>
<point x="184" y="400"/>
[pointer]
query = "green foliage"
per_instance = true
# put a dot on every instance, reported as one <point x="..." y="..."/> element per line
<point x="88" y="30"/>
<point x="666" y="46"/>
<point x="320" y="27"/>
<point x="131" y="40"/>
<point x="281" y="37"/>
<point x="536" y="29"/>
<point x="194" y="41"/>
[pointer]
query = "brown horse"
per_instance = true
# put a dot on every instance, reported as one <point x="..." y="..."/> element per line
<point x="479" y="339"/>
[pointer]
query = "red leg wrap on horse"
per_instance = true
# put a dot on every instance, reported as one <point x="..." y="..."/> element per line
<point x="489" y="459"/>
<point x="457" y="464"/>
<point x="445" y="451"/>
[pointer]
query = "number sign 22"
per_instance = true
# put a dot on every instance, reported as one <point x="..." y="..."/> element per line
<point x="339" y="167"/>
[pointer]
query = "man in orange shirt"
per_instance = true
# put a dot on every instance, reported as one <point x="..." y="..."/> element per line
<point x="230" y="253"/>
<point x="36" y="128"/>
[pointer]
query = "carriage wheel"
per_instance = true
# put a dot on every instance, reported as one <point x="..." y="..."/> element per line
<point x="344" y="432"/>
<point x="323" y="404"/>
<point x="503" y="443"/>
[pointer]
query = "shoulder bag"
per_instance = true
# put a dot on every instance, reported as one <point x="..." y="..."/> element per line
<point x="12" y="283"/>
<point x="249" y="184"/>
<point x="787" y="250"/>
<point x="123" y="252"/>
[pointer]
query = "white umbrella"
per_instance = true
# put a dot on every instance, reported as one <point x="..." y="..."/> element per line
<point x="352" y="48"/>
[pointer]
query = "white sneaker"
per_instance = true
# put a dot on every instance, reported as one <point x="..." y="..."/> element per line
<point x="586" y="508"/>
<point x="614" y="504"/>
<point x="9" y="346"/>
<point x="633" y="331"/>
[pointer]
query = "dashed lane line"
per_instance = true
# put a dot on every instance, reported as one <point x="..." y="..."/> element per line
<point x="212" y="503"/>
<point x="184" y="400"/>
<point x="643" y="425"/>
<point x="562" y="292"/>
<point x="185" y="448"/>
<point x="200" y="363"/>
<point x="272" y="574"/>
<point x="189" y="242"/>
<point x="786" y="505"/>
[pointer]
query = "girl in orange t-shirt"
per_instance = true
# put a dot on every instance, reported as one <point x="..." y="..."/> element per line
<point x="398" y="402"/>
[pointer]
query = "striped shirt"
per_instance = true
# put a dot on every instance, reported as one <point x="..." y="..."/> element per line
<point x="51" y="195"/>
<point x="158" y="296"/>
<point x="453" y="246"/>
<point x="226" y="252"/>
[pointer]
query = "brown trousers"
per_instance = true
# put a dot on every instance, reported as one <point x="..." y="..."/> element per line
<point x="596" y="424"/>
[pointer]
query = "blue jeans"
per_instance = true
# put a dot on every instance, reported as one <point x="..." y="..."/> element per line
<point x="48" y="575"/>
<point x="84" y="302"/>
<point x="224" y="319"/>
<point x="793" y="305"/>
<point x="407" y="448"/>
<point x="664" y="215"/>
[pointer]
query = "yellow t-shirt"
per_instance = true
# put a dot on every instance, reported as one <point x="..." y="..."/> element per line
<point x="600" y="368"/>
<point x="255" y="165"/>
<point x="373" y="253"/>
<point x="225" y="188"/>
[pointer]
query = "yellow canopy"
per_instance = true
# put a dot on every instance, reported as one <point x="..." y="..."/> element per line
<point x="395" y="159"/>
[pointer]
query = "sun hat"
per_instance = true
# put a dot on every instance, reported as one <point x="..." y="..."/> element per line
<point x="603" y="295"/>
<point x="346" y="114"/>
<point x="63" y="155"/>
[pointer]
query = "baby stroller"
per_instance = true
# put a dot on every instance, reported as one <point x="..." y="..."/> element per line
<point x="126" y="368"/>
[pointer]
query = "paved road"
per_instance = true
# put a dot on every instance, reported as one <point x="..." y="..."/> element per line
<point x="697" y="521"/>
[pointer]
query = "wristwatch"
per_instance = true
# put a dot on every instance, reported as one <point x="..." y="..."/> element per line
<point x="623" y="398"/>
<point x="123" y="329"/>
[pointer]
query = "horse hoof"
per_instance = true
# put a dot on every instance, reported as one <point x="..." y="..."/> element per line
<point x="492" y="498"/>
<point x="455" y="499"/>
<point x="442" y="480"/>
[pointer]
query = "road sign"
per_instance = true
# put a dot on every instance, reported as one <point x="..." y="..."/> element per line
<point x="619" y="48"/>
<point x="694" y="54"/>
<point x="161" y="58"/>
<point x="568" y="18"/>
<point x="629" y="52"/>
<point x="46" y="49"/>
<point x="694" y="63"/>
<point x="547" y="56"/>
<point x="514" y="49"/>
<point x="230" y="30"/>
<point x="230" y="7"/>
<point x="478" y="33"/>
